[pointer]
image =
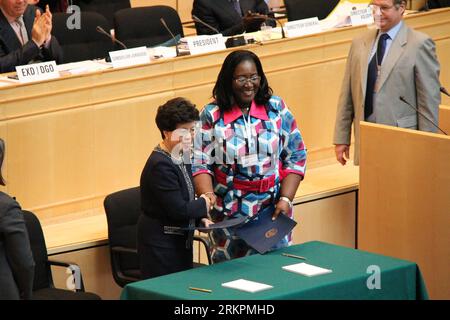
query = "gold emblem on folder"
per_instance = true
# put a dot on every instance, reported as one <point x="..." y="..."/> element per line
<point x="272" y="232"/>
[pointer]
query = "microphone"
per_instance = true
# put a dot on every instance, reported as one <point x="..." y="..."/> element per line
<point x="233" y="41"/>
<point x="444" y="91"/>
<point x="405" y="101"/>
<point x="283" y="35"/>
<point x="101" y="30"/>
<point x="196" y="19"/>
<point x="163" y="22"/>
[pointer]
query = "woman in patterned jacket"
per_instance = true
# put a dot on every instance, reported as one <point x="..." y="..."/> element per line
<point x="249" y="153"/>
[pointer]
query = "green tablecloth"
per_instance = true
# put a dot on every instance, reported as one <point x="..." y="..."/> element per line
<point x="400" y="279"/>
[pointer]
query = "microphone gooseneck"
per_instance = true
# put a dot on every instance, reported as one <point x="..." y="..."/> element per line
<point x="444" y="91"/>
<point x="197" y="19"/>
<point x="417" y="110"/>
<point x="163" y="22"/>
<point x="283" y="35"/>
<point x="101" y="30"/>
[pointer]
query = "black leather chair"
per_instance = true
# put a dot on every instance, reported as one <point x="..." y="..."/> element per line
<point x="85" y="43"/>
<point x="105" y="7"/>
<point x="302" y="9"/>
<point x="43" y="287"/>
<point x="432" y="4"/>
<point x="137" y="27"/>
<point x="122" y="210"/>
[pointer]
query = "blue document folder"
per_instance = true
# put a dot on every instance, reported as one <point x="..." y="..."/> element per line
<point x="261" y="233"/>
<point x="228" y="223"/>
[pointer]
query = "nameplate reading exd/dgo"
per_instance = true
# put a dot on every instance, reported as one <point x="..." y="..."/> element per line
<point x="37" y="72"/>
<point x="302" y="27"/>
<point x="205" y="44"/>
<point x="129" y="57"/>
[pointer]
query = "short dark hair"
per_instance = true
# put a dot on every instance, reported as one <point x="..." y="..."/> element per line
<point x="175" y="112"/>
<point x="223" y="91"/>
<point x="397" y="3"/>
<point x="2" y="156"/>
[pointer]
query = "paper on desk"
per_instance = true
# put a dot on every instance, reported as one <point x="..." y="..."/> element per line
<point x="306" y="269"/>
<point x="275" y="34"/>
<point x="162" y="52"/>
<point x="340" y="16"/>
<point x="5" y="81"/>
<point x="246" y="285"/>
<point x="83" y="66"/>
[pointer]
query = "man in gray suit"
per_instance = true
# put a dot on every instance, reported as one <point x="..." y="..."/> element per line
<point x="383" y="65"/>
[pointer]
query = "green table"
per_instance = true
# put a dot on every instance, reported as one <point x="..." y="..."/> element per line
<point x="399" y="279"/>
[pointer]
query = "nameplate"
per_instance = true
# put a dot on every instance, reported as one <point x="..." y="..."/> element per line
<point x="361" y="16"/>
<point x="205" y="44"/>
<point x="37" y="72"/>
<point x="129" y="57"/>
<point x="302" y="27"/>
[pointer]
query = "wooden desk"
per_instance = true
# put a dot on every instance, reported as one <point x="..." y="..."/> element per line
<point x="325" y="207"/>
<point x="72" y="141"/>
<point x="86" y="230"/>
<point x="444" y="118"/>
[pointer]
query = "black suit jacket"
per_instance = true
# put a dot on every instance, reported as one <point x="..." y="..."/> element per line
<point x="13" y="54"/>
<point x="221" y="15"/>
<point x="165" y="200"/>
<point x="16" y="258"/>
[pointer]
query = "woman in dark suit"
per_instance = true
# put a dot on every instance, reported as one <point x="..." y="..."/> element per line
<point x="167" y="195"/>
<point x="16" y="259"/>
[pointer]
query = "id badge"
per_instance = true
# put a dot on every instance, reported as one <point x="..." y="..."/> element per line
<point x="250" y="160"/>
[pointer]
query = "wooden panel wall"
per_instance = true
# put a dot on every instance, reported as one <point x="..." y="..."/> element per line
<point x="72" y="141"/>
<point x="404" y="200"/>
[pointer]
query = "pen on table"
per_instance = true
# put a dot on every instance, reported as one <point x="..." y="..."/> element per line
<point x="293" y="256"/>
<point x="200" y="289"/>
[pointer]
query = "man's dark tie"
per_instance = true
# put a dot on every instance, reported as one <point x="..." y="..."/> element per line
<point x="372" y="74"/>
<point x="237" y="6"/>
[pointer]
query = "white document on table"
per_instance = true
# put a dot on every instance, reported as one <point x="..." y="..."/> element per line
<point x="246" y="285"/>
<point x="306" y="269"/>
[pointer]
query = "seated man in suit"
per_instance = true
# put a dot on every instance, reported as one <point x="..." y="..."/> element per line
<point x="229" y="17"/>
<point x="25" y="35"/>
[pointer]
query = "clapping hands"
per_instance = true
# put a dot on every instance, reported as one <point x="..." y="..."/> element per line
<point x="42" y="27"/>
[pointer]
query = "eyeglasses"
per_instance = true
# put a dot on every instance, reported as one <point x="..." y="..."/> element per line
<point x="381" y="8"/>
<point x="243" y="80"/>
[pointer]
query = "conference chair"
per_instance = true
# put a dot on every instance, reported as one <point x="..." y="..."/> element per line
<point x="106" y="7"/>
<point x="122" y="210"/>
<point x="43" y="286"/>
<point x="432" y="4"/>
<point x="84" y="43"/>
<point x="302" y="9"/>
<point x="137" y="27"/>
